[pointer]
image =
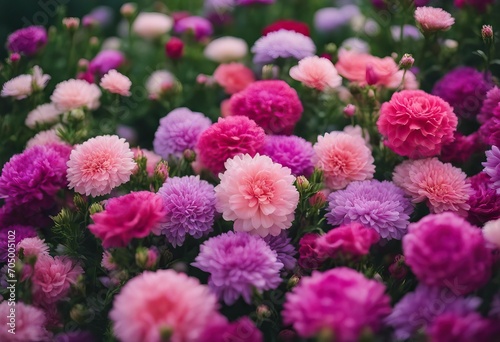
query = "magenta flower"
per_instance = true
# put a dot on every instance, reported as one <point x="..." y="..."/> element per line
<point x="492" y="167"/>
<point x="484" y="202"/>
<point x="28" y="40"/>
<point x="241" y="330"/>
<point x="199" y="26"/>
<point x="452" y="327"/>
<point x="21" y="233"/>
<point x="105" y="61"/>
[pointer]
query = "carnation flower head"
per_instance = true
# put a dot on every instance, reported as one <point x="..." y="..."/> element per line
<point x="189" y="204"/>
<point x="30" y="323"/>
<point x="22" y="232"/>
<point x="226" y="49"/>
<point x="491" y="167"/>
<point x="116" y="83"/>
<point x="381" y="206"/>
<point x="340" y="301"/>
<point x="491" y="102"/>
<point x="464" y="88"/>
<point x="418" y="309"/>
<point x="28" y="40"/>
<point x="238" y="263"/>
<point x="179" y="130"/>
<point x="316" y="72"/>
<point x="309" y="254"/>
<point x="42" y="115"/>
<point x="233" y="77"/>
<point x="489" y="132"/>
<point x="343" y="158"/>
<point x="241" y="330"/>
<point x="445" y="250"/>
<point x="200" y="27"/>
<point x="484" y="202"/>
<point x="32" y="246"/>
<point x="282" y="44"/>
<point x="151" y="25"/>
<point x="284" y="249"/>
<point x="272" y="104"/>
<point x="431" y="19"/>
<point x="34" y="176"/>
<point x="461" y="149"/>
<point x="227" y="138"/>
<point x="290" y="151"/>
<point x="257" y="194"/>
<point x="124" y="218"/>
<point x="286" y="24"/>
<point x="99" y="165"/>
<point x="19" y="87"/>
<point x="74" y="94"/>
<point x="158" y="82"/>
<point x="166" y="301"/>
<point x="451" y="327"/>
<point x="416" y="124"/>
<point x="106" y="61"/>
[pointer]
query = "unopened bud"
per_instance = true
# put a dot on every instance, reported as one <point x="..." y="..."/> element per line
<point x="487" y="32"/>
<point x="146" y="258"/>
<point x="161" y="170"/>
<point x="95" y="208"/>
<point x="406" y="61"/>
<point x="302" y="183"/>
<point x="318" y="200"/>
<point x="83" y="64"/>
<point x="398" y="268"/>
<point x="270" y="72"/>
<point x="15" y="57"/>
<point x="71" y="24"/>
<point x="189" y="155"/>
<point x="128" y="10"/>
<point x="371" y="77"/>
<point x="174" y="48"/>
<point x="293" y="281"/>
<point x="331" y="48"/>
<point x="263" y="311"/>
<point x="350" y="110"/>
<point x="79" y="314"/>
<point x="94" y="41"/>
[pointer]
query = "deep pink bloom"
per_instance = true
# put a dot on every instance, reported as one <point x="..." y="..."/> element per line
<point x="445" y="250"/>
<point x="484" y="202"/>
<point x="480" y="5"/>
<point x="233" y="77"/>
<point x="491" y="102"/>
<point x="316" y="72"/>
<point x="127" y="217"/>
<point x="452" y="327"/>
<point x="286" y="24"/>
<point x="227" y="138"/>
<point x="416" y="124"/>
<point x="200" y="27"/>
<point x="431" y="19"/>
<point x="105" y="61"/>
<point x="340" y="301"/>
<point x="461" y="149"/>
<point x="28" y="40"/>
<point x="174" y="48"/>
<point x="241" y="330"/>
<point x="309" y="256"/>
<point x="29" y="322"/>
<point x="155" y="303"/>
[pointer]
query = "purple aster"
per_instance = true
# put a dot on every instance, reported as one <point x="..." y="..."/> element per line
<point x="409" y="31"/>
<point x="20" y="233"/>
<point x="35" y="176"/>
<point x="492" y="167"/>
<point x="282" y="44"/>
<point x="241" y="330"/>
<point x="330" y="18"/>
<point x="239" y="263"/>
<point x="491" y="102"/>
<point x="27" y="40"/>
<point x="190" y="206"/>
<point x="490" y="130"/>
<point x="106" y="60"/>
<point x="75" y="336"/>
<point x="484" y="201"/>
<point x="179" y="131"/>
<point x="290" y="151"/>
<point x="418" y="309"/>
<point x="281" y="244"/>
<point x="464" y="88"/>
<point x="452" y="327"/>
<point x="378" y="205"/>
<point x="102" y="15"/>
<point x="199" y="26"/>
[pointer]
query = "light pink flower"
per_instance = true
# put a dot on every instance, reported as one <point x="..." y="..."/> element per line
<point x="233" y="77"/>
<point x="257" y="194"/>
<point x="159" y="82"/>
<point x="45" y="138"/>
<point x="226" y="49"/>
<point x="53" y="278"/>
<point x="443" y="186"/>
<point x="99" y="165"/>
<point x="432" y="19"/>
<point x="116" y="83"/>
<point x="152" y="25"/>
<point x="107" y="261"/>
<point x="152" y="303"/>
<point x="316" y="72"/>
<point x="29" y="323"/>
<point x="43" y="114"/>
<point x="33" y="247"/>
<point x="343" y="158"/>
<point x="39" y="79"/>
<point x="19" y="87"/>
<point x="491" y="232"/>
<point x="73" y="94"/>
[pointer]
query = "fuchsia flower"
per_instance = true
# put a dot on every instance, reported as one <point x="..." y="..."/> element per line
<point x="241" y="330"/>
<point x="73" y="94"/>
<point x="32" y="246"/>
<point x="116" y="83"/>
<point x="105" y="61"/>
<point x="28" y="40"/>
<point x="257" y="194"/>
<point x="199" y="26"/>
<point x="285" y="24"/>
<point x="30" y="323"/>
<point x="233" y="77"/>
<point x="316" y="72"/>
<point x="432" y="19"/>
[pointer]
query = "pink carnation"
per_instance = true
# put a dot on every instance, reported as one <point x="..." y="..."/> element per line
<point x="233" y="77"/>
<point x="116" y="83"/>
<point x="49" y="137"/>
<point x="442" y="186"/>
<point x="53" y="277"/>
<point x="73" y="94"/>
<point x="99" y="165"/>
<point x="127" y="217"/>
<point x="29" y="323"/>
<point x="257" y="194"/>
<point x="416" y="124"/>
<point x="432" y="19"/>
<point x="343" y="158"/>
<point x="153" y="304"/>
<point x="18" y="87"/>
<point x="316" y="72"/>
<point x="272" y="104"/>
<point x="43" y="114"/>
<point x="227" y="138"/>
<point x="32" y="247"/>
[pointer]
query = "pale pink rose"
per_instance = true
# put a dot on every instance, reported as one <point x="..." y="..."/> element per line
<point x="152" y="25"/>
<point x="316" y="72"/>
<point x="18" y="87"/>
<point x="73" y="94"/>
<point x="116" y="83"/>
<point x="432" y="19"/>
<point x="159" y="82"/>
<point x="29" y="323"/>
<point x="33" y="247"/>
<point x="43" y="114"/>
<point x="226" y="49"/>
<point x="491" y="232"/>
<point x="45" y="138"/>
<point x="233" y="77"/>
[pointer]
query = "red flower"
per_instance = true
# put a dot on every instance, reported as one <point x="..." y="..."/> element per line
<point x="290" y="25"/>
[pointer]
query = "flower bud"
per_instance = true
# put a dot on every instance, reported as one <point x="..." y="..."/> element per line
<point x="270" y="72"/>
<point x="189" y="155"/>
<point x="371" y="76"/>
<point x="128" y="10"/>
<point x="161" y="171"/>
<point x="146" y="258"/>
<point x="15" y="57"/>
<point x="398" y="269"/>
<point x="293" y="281"/>
<point x="94" y="41"/>
<point x="406" y="61"/>
<point x="83" y="64"/>
<point x="174" y="48"/>
<point x="318" y="200"/>
<point x="263" y="311"/>
<point x="302" y="183"/>
<point x="95" y="208"/>
<point x="71" y="24"/>
<point x="331" y="48"/>
<point x="350" y="110"/>
<point x="487" y="32"/>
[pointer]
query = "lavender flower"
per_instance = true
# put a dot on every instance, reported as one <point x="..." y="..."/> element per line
<point x="281" y="244"/>
<point x="330" y="18"/>
<point x="21" y="232"/>
<point x="199" y="26"/>
<point x="106" y="60"/>
<point x="75" y="336"/>
<point x="27" y="40"/>
<point x="282" y="44"/>
<point x="238" y="263"/>
<point x="492" y="167"/>
<point x="190" y="206"/>
<point x="378" y="205"/>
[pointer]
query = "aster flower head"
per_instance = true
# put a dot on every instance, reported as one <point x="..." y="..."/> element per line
<point x="282" y="44"/>
<point x="241" y="330"/>
<point x="462" y="148"/>
<point x="316" y="72"/>
<point x="32" y="246"/>
<point x="99" y="165"/>
<point x="30" y="323"/>
<point x="74" y="94"/>
<point x="226" y="49"/>
<point x="272" y="104"/>
<point x="19" y="87"/>
<point x="492" y="167"/>
<point x="328" y="19"/>
<point x="431" y="19"/>
<point x="158" y="82"/>
<point x="199" y="26"/>
<point x="451" y="327"/>
<point x="340" y="301"/>
<point x="35" y="176"/>
<point x="43" y="114"/>
<point x="28" y="40"/>
<point x="381" y="206"/>
<point x="257" y="194"/>
<point x="116" y="83"/>
<point x="238" y="263"/>
<point x="284" y="249"/>
<point x="445" y="250"/>
<point x="227" y="138"/>
<point x="167" y="301"/>
<point x="106" y="61"/>
<point x="343" y="158"/>
<point x="484" y="202"/>
<point x="491" y="102"/>
<point x="431" y="119"/>
<point x="21" y="233"/>
<point x="309" y="254"/>
<point x="48" y="137"/>
<point x="179" y="130"/>
<point x="189" y="204"/>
